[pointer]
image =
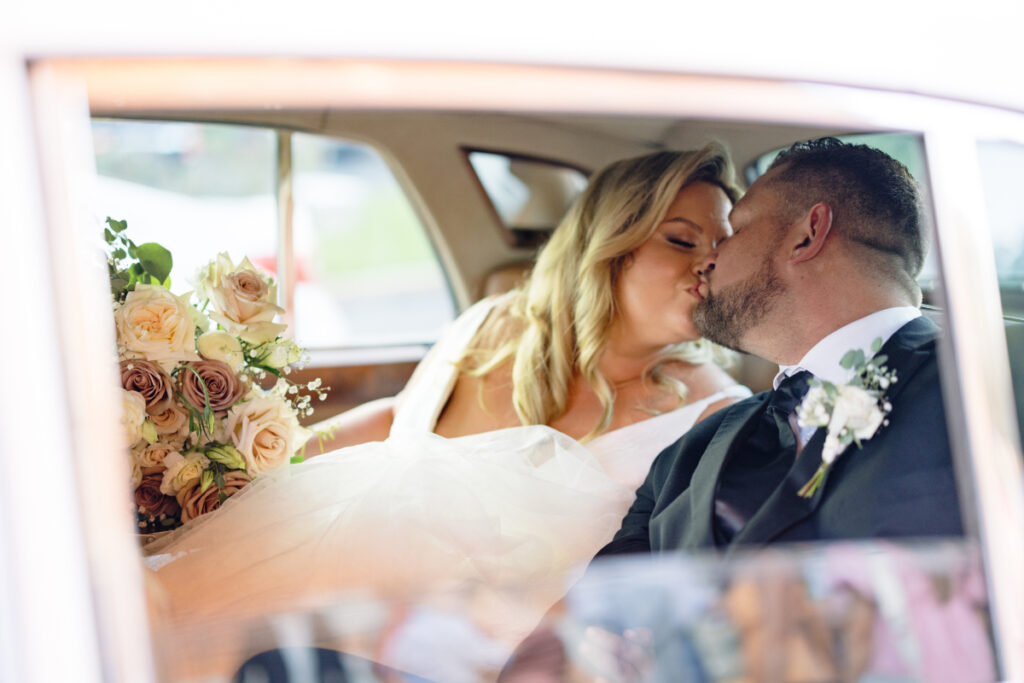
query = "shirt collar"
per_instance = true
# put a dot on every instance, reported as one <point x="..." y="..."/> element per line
<point x="822" y="360"/>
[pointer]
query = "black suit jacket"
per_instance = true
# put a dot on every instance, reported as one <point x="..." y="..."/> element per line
<point x="900" y="483"/>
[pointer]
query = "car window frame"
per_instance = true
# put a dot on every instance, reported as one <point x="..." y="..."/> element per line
<point x="985" y="461"/>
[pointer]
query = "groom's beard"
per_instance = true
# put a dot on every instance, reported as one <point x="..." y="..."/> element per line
<point x="727" y="315"/>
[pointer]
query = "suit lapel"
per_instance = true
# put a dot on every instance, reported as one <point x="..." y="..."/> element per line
<point x="733" y="430"/>
<point x="907" y="349"/>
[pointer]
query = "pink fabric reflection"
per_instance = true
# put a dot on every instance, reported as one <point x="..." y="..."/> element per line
<point x="930" y="622"/>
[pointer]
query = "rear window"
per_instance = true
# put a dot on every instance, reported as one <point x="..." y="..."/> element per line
<point x="529" y="195"/>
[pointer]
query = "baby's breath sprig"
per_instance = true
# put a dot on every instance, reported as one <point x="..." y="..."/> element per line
<point x="300" y="395"/>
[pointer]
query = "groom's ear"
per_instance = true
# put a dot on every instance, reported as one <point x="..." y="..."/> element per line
<point x="814" y="228"/>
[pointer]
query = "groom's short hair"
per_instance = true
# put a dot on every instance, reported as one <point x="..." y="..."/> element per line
<point x="875" y="200"/>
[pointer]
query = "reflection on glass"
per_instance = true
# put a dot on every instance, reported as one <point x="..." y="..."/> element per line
<point x="367" y="274"/>
<point x="870" y="612"/>
<point x="1002" y="168"/>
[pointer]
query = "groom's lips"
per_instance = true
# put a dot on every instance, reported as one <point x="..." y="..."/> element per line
<point x="701" y="290"/>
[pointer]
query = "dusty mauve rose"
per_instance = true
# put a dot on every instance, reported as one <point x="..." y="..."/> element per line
<point x="173" y="421"/>
<point x="223" y="386"/>
<point x="151" y="501"/>
<point x="266" y="431"/>
<point x="151" y="381"/>
<point x="194" y="503"/>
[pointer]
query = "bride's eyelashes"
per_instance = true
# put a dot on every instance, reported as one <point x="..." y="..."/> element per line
<point x="686" y="244"/>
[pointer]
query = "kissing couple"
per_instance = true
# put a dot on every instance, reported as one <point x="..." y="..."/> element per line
<point x="527" y="435"/>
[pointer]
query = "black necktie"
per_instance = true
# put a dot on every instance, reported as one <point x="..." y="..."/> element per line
<point x="783" y="402"/>
<point x="760" y="462"/>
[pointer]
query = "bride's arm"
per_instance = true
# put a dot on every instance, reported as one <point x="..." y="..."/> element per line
<point x="370" y="421"/>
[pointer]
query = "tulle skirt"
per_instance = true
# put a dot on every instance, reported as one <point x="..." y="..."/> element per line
<point x="508" y="518"/>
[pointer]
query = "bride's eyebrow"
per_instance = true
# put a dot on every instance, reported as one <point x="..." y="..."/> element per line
<point x="680" y="219"/>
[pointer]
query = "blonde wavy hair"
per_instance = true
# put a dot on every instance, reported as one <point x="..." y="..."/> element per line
<point x="560" y="318"/>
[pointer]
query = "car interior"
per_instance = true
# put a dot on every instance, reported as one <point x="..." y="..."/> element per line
<point x="482" y="189"/>
<point x="381" y="226"/>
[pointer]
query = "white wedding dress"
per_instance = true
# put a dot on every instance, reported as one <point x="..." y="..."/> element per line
<point x="507" y="517"/>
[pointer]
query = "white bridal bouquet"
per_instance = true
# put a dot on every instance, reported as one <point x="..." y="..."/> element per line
<point x="198" y="425"/>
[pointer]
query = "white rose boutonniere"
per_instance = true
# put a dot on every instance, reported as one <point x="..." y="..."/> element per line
<point x="851" y="412"/>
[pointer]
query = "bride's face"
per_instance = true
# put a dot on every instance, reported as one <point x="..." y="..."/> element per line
<point x="658" y="288"/>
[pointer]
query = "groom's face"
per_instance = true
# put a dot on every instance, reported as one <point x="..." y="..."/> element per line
<point x="742" y="285"/>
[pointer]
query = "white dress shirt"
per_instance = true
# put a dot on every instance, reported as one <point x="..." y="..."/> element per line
<point x="822" y="360"/>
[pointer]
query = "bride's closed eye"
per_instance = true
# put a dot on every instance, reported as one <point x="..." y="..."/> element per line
<point x="681" y="243"/>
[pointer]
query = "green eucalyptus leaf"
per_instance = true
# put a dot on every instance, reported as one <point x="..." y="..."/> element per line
<point x="879" y="361"/>
<point x="156" y="259"/>
<point x="876" y="345"/>
<point x="117" y="226"/>
<point x="848" y="359"/>
<point x="108" y="236"/>
<point x="119" y="254"/>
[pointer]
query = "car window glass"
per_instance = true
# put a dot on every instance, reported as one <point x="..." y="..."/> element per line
<point x="366" y="273"/>
<point x="1002" y="167"/>
<point x="197" y="188"/>
<point x="530" y="196"/>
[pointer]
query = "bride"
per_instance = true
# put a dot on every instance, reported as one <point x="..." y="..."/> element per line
<point x="512" y="454"/>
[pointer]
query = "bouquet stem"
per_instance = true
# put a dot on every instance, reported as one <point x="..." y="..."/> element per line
<point x="811" y="486"/>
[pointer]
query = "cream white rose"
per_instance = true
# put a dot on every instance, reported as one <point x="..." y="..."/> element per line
<point x="154" y="456"/>
<point x="133" y="415"/>
<point x="182" y="470"/>
<point x="855" y="411"/>
<point x="266" y="432"/>
<point x="278" y="354"/>
<point x="864" y="417"/>
<point x="172" y="423"/>
<point x="242" y="298"/>
<point x="154" y="324"/>
<point x="220" y="345"/>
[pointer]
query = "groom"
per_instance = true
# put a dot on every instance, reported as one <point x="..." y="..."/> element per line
<point x="826" y="250"/>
